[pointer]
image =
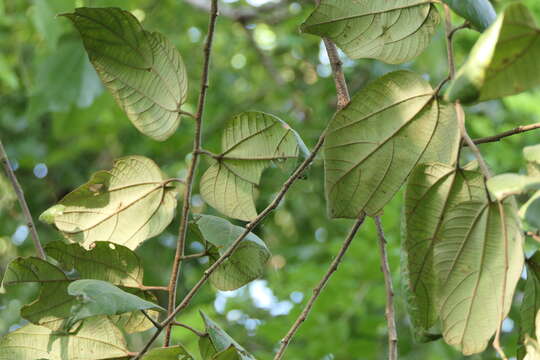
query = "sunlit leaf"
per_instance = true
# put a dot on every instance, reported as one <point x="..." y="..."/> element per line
<point x="478" y="260"/>
<point x="170" y="353"/>
<point x="480" y="13"/>
<point x="375" y="142"/>
<point x="96" y="339"/>
<point x="503" y="61"/>
<point x="222" y="341"/>
<point x="248" y="261"/>
<point x="504" y="185"/>
<point x="531" y="303"/>
<point x="126" y="205"/>
<point x="143" y="70"/>
<point x="431" y="191"/>
<point x="391" y="31"/>
<point x="250" y="142"/>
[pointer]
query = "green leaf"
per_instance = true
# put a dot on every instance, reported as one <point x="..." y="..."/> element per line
<point x="391" y="31"/>
<point x="530" y="211"/>
<point x="432" y="189"/>
<point x="504" y="185"/>
<point x="503" y="60"/>
<point x="96" y="339"/>
<point x="143" y="70"/>
<point x="532" y="155"/>
<point x="106" y="261"/>
<point x="530" y="305"/>
<point x="229" y="354"/>
<point x="97" y="297"/>
<point x="170" y="353"/>
<point x="375" y="142"/>
<point x="206" y="348"/>
<point x="250" y="142"/>
<point x="248" y="261"/>
<point x="478" y="260"/>
<point x="222" y="341"/>
<point x="125" y="205"/>
<point x="480" y="13"/>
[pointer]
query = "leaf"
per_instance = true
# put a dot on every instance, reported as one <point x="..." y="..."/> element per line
<point x="247" y="262"/>
<point x="106" y="261"/>
<point x="126" y="205"/>
<point x="222" y="341"/>
<point x="206" y="348"/>
<point x="97" y="339"/>
<point x="229" y="354"/>
<point x="532" y="155"/>
<point x="478" y="260"/>
<point x="391" y="31"/>
<point x="503" y="60"/>
<point x="170" y="353"/>
<point x="432" y="190"/>
<point x="504" y="185"/>
<point x="480" y="13"/>
<point x="143" y="70"/>
<point x="530" y="305"/>
<point x="250" y="142"/>
<point x="97" y="297"/>
<point x="530" y="211"/>
<point x="375" y="142"/>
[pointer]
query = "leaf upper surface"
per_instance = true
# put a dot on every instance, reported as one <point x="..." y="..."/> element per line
<point x="479" y="12"/>
<point x="530" y="306"/>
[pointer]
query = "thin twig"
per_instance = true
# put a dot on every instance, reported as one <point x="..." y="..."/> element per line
<point x="499" y="137"/>
<point x="343" y="97"/>
<point x="390" y="313"/>
<point x="22" y="201"/>
<point x="182" y="233"/>
<point x="154" y="288"/>
<point x="186" y="113"/>
<point x="195" y="256"/>
<point x="156" y="324"/>
<point x="193" y="330"/>
<point x="320" y="286"/>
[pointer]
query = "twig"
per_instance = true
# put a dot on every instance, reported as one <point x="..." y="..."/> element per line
<point x="22" y="201"/>
<point x="195" y="256"/>
<point x="343" y="97"/>
<point x="182" y="233"/>
<point x="499" y="137"/>
<point x="320" y="286"/>
<point x="193" y="330"/>
<point x="154" y="288"/>
<point x="156" y="324"/>
<point x="390" y="314"/>
<point x="209" y="154"/>
<point x="186" y="113"/>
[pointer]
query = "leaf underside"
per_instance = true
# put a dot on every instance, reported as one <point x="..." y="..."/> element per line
<point x="530" y="306"/>
<point x="480" y="13"/>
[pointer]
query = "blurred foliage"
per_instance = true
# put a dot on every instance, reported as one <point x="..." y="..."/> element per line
<point x="59" y="126"/>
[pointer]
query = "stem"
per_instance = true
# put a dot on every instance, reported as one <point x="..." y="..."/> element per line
<point x="193" y="330"/>
<point x="390" y="314"/>
<point x="156" y="324"/>
<point x="459" y="109"/>
<point x="343" y="97"/>
<point x="154" y="288"/>
<point x="195" y="256"/>
<point x="22" y="201"/>
<point x="320" y="286"/>
<point x="534" y="235"/>
<point x="192" y="168"/>
<point x="499" y="137"/>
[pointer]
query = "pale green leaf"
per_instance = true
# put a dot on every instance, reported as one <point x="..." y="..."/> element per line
<point x="98" y="297"/>
<point x="530" y="211"/>
<point x="248" y="261"/>
<point x="250" y="142"/>
<point x="96" y="339"/>
<point x="375" y="142"/>
<point x="478" y="260"/>
<point x="170" y="353"/>
<point x="432" y="189"/>
<point x="143" y="70"/>
<point x="222" y="341"/>
<point x="530" y="305"/>
<point x="504" y="185"/>
<point x="125" y="205"/>
<point x="532" y="345"/>
<point x="391" y="31"/>
<point x="503" y="61"/>
<point x="480" y="13"/>
<point x="532" y="155"/>
<point x="228" y="354"/>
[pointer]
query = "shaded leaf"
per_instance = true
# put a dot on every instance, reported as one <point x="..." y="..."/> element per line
<point x="504" y="185"/>
<point x="530" y="211"/>
<point x="170" y="353"/>
<point x="96" y="339"/>
<point x="222" y="341"/>
<point x="478" y="260"/>
<point x="480" y="13"/>
<point x="143" y="70"/>
<point x="228" y="354"/>
<point x="391" y="31"/>
<point x="503" y="60"/>
<point x="248" y="261"/>
<point x="125" y="205"/>
<point x="530" y="305"/>
<point x="206" y="348"/>
<point x="375" y="142"/>
<point x="432" y="190"/>
<point x="250" y="142"/>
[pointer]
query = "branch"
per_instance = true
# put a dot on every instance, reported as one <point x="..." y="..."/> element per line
<point x="318" y="289"/>
<point x="499" y="137"/>
<point x="390" y="314"/>
<point x="272" y="13"/>
<point x="343" y="97"/>
<point x="22" y="201"/>
<point x="182" y="233"/>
